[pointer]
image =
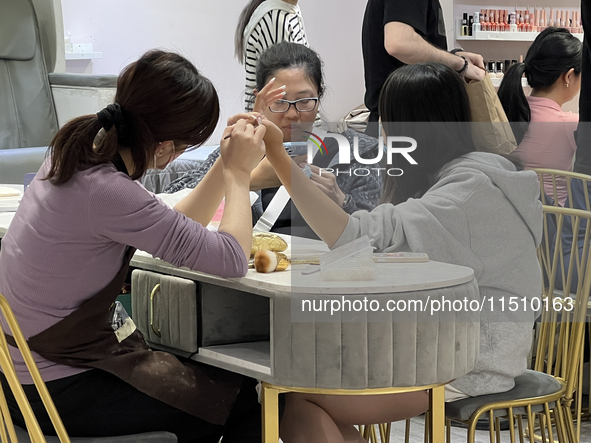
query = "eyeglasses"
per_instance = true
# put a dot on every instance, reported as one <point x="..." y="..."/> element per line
<point x="302" y="105"/>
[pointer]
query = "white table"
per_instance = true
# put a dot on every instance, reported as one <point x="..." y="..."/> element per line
<point x="369" y="354"/>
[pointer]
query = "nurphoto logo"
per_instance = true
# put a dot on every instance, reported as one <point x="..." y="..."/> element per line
<point x="392" y="147"/>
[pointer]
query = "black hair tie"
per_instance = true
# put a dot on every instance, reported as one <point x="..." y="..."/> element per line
<point x="111" y="116"/>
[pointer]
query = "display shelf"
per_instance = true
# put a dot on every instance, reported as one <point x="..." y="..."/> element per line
<point x="83" y="55"/>
<point x="496" y="81"/>
<point x="505" y="36"/>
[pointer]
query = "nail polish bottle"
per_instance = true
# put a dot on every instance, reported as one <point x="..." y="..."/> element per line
<point x="470" y="25"/>
<point x="512" y="23"/>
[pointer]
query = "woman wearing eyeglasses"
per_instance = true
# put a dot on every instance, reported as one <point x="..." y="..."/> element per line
<point x="298" y="70"/>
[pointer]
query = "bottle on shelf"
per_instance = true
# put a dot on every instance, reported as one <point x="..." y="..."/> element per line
<point x="512" y="22"/>
<point x="470" y="25"/>
<point x="464" y="28"/>
<point x="69" y="47"/>
<point x="476" y="24"/>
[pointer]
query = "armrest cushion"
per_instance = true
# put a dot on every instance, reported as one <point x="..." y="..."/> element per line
<point x="15" y="163"/>
<point x="83" y="80"/>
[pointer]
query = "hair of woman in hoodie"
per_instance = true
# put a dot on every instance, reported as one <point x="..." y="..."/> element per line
<point x="554" y="52"/>
<point x="429" y="103"/>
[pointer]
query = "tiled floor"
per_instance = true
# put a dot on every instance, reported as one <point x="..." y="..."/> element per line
<point x="459" y="435"/>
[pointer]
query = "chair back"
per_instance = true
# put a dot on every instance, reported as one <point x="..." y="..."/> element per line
<point x="577" y="188"/>
<point x="27" y="112"/>
<point x="7" y="366"/>
<point x="566" y="269"/>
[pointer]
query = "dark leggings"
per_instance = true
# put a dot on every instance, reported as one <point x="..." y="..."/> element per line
<point x="97" y="404"/>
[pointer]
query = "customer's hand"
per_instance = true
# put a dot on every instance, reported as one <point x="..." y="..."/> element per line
<point x="267" y="95"/>
<point x="244" y="148"/>
<point x="327" y="182"/>
<point x="264" y="176"/>
<point x="251" y="117"/>
<point x="273" y="138"/>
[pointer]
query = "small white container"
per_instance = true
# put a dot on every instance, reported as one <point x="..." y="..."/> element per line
<point x="350" y="262"/>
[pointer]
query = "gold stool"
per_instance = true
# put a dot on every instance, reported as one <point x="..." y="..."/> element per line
<point x="270" y="402"/>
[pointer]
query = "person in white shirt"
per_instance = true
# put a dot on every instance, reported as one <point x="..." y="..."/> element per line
<point x="263" y="23"/>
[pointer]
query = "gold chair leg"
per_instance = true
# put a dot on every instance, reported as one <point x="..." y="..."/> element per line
<point x="447" y="431"/>
<point x="568" y="422"/>
<point x="437" y="421"/>
<point x="385" y="429"/>
<point x="559" y="421"/>
<point x="511" y="425"/>
<point x="270" y="405"/>
<point x="520" y="427"/>
<point x="542" y="422"/>
<point x="7" y="423"/>
<point x="407" y="431"/>
<point x="491" y="426"/>
<point x="530" y="424"/>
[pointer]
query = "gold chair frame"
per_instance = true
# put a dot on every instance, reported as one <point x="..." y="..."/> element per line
<point x="6" y="364"/>
<point x="553" y="176"/>
<point x="565" y="364"/>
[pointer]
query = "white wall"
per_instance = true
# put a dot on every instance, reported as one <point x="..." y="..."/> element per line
<point x="203" y="31"/>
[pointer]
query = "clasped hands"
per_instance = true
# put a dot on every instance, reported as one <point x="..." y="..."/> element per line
<point x="251" y="137"/>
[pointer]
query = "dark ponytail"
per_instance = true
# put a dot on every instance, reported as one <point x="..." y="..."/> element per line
<point x="514" y="100"/>
<point x="554" y="52"/>
<point x="243" y="20"/>
<point x="160" y="97"/>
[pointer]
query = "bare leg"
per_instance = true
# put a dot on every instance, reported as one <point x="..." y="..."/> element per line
<point x="312" y="418"/>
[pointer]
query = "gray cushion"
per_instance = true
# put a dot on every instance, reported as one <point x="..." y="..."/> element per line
<point x="83" y="80"/>
<point x="529" y="384"/>
<point x="27" y="111"/>
<point x="17" y="30"/>
<point x="148" y="437"/>
<point x="15" y="163"/>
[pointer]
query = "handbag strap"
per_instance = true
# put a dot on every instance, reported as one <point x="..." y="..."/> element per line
<point x="275" y="208"/>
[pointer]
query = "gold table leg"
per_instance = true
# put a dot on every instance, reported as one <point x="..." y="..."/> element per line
<point x="270" y="405"/>
<point x="437" y="415"/>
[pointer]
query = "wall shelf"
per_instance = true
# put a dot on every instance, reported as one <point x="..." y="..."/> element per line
<point x="505" y="36"/>
<point x="83" y="55"/>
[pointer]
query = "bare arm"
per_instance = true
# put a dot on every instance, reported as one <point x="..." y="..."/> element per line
<point x="323" y="215"/>
<point x="404" y="43"/>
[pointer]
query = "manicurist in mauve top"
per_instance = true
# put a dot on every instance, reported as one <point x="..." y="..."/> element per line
<point x="70" y="236"/>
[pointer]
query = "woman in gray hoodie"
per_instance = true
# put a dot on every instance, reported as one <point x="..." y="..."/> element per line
<point x="459" y="206"/>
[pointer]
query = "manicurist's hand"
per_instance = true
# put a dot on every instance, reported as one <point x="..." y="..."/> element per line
<point x="241" y="153"/>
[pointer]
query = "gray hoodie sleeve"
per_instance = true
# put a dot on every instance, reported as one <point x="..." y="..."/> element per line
<point x="379" y="225"/>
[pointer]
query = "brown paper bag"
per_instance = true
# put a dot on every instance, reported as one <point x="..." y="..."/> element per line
<point x="491" y="130"/>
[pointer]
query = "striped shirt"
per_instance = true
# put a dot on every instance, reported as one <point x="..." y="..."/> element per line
<point x="275" y="26"/>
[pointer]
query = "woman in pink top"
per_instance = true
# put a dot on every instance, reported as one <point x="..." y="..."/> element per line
<point x="544" y="132"/>
<point x="70" y="236"/>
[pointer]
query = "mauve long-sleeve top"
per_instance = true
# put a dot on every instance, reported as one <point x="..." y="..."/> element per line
<point x="67" y="242"/>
